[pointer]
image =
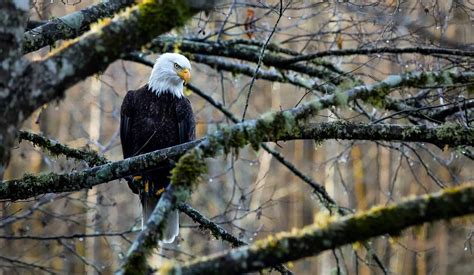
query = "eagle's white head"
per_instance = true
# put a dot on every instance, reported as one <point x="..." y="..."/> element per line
<point x="170" y="72"/>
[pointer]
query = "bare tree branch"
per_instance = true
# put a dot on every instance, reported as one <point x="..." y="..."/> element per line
<point x="414" y="50"/>
<point x="242" y="52"/>
<point x="218" y="231"/>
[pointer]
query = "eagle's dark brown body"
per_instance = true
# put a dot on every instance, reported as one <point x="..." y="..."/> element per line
<point x="150" y="122"/>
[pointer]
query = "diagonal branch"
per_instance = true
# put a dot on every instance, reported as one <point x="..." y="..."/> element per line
<point x="218" y="231"/>
<point x="275" y="125"/>
<point x="314" y="239"/>
<point x="135" y="261"/>
<point x="46" y="80"/>
<point x="318" y="188"/>
<point x="270" y="75"/>
<point x="71" y="25"/>
<point x="94" y="159"/>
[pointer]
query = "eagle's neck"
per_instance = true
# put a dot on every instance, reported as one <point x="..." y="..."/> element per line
<point x="160" y="83"/>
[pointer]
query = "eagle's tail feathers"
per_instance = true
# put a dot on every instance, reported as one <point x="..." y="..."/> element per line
<point x="172" y="227"/>
<point x="172" y="220"/>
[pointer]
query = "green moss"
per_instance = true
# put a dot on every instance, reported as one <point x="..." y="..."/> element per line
<point x="161" y="16"/>
<point x="238" y="137"/>
<point x="56" y="149"/>
<point x="378" y="99"/>
<point x="454" y="132"/>
<point x="97" y="26"/>
<point x="188" y="170"/>
<point x="229" y="139"/>
<point x="316" y="105"/>
<point x="341" y="98"/>
<point x="446" y="78"/>
<point x="411" y="131"/>
<point x="167" y="267"/>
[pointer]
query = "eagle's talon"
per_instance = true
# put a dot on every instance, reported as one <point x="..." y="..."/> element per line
<point x="160" y="191"/>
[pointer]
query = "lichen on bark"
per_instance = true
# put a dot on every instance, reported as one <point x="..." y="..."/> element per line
<point x="313" y="239"/>
<point x="56" y="149"/>
<point x="274" y="125"/>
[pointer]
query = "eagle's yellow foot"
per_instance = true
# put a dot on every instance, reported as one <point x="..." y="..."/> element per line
<point x="146" y="186"/>
<point x="137" y="178"/>
<point x="160" y="191"/>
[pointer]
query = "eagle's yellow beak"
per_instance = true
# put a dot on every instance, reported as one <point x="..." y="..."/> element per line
<point x="185" y="75"/>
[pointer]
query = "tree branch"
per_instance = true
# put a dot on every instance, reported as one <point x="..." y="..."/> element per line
<point x="313" y="239"/>
<point x="91" y="157"/>
<point x="450" y="134"/>
<point x="136" y="260"/>
<point x="39" y="82"/>
<point x="71" y="25"/>
<point x="270" y="127"/>
<point x="218" y="231"/>
<point x="270" y="75"/>
<point x="30" y="186"/>
<point x="241" y="52"/>
<point x="414" y="50"/>
<point x="275" y="125"/>
<point x="95" y="50"/>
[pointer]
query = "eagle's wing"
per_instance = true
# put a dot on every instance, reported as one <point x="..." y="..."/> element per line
<point x="186" y="122"/>
<point x="126" y="120"/>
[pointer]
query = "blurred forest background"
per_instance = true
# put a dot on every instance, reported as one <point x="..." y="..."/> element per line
<point x="251" y="194"/>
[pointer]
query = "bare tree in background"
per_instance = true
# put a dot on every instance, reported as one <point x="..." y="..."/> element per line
<point x="326" y="128"/>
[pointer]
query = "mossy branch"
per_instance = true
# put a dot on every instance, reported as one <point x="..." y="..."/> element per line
<point x="324" y="235"/>
<point x="71" y="25"/>
<point x="91" y="157"/>
<point x="448" y="134"/>
<point x="30" y="186"/>
<point x="135" y="261"/>
<point x="241" y="68"/>
<point x="216" y="230"/>
<point x="241" y="52"/>
<point x="270" y="127"/>
<point x="39" y="82"/>
<point x="277" y="125"/>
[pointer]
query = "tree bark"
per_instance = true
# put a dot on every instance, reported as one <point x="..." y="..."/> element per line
<point x="313" y="239"/>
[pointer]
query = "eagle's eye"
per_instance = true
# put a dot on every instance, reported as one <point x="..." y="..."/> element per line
<point x="176" y="66"/>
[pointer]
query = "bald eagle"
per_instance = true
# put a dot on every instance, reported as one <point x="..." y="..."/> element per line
<point x="154" y="117"/>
